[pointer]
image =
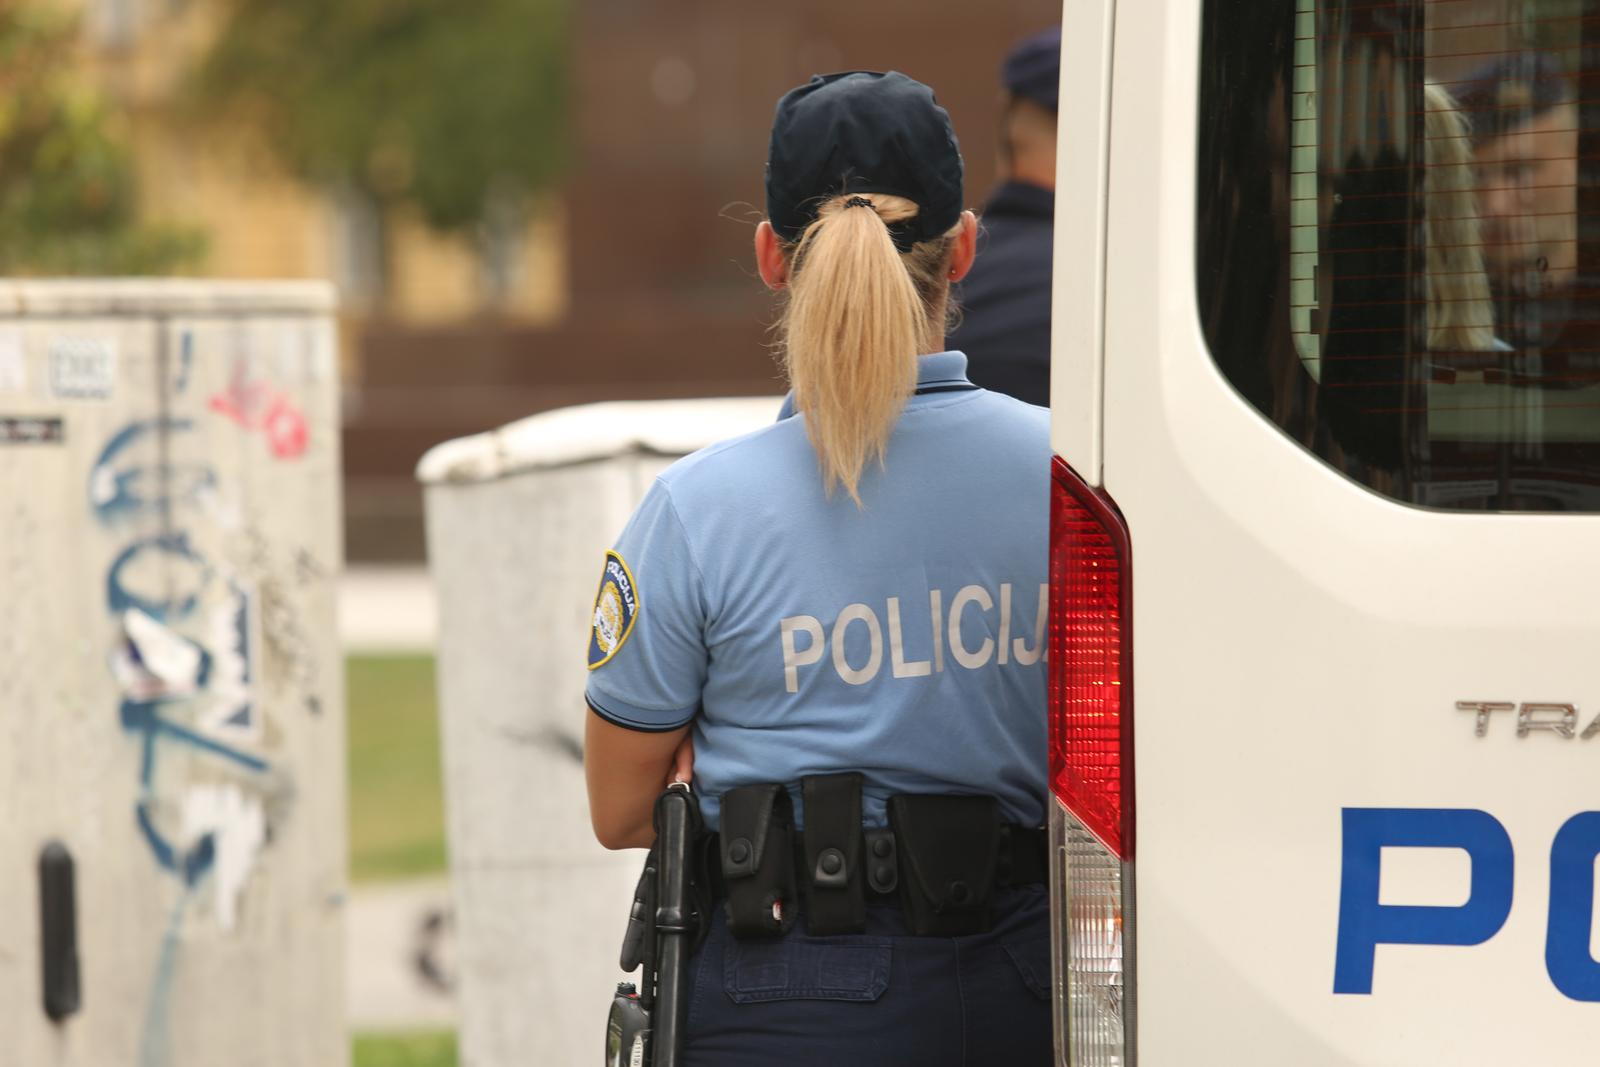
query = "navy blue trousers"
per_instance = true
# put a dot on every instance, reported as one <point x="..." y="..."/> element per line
<point x="883" y="998"/>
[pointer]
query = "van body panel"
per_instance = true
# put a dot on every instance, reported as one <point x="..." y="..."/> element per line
<point x="1078" y="296"/>
<point x="1301" y="644"/>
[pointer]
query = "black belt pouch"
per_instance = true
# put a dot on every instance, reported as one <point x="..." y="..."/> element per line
<point x="835" y="900"/>
<point x="757" y="845"/>
<point x="949" y="849"/>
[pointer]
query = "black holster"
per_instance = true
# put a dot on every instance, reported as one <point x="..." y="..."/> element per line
<point x="950" y="854"/>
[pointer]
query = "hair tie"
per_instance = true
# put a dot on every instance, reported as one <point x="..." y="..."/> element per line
<point x="860" y="201"/>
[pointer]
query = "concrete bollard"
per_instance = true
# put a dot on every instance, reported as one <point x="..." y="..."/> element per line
<point x="172" y="780"/>
<point x="518" y="520"/>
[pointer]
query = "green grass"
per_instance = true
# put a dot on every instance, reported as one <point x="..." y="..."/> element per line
<point x="405" y="1050"/>
<point x="396" y="798"/>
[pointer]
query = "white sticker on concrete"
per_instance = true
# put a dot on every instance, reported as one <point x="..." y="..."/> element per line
<point x="13" y="363"/>
<point x="83" y="368"/>
<point x="155" y="662"/>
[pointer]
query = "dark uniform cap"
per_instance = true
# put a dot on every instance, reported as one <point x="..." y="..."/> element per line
<point x="863" y="132"/>
<point x="1507" y="92"/>
<point x="1032" y="69"/>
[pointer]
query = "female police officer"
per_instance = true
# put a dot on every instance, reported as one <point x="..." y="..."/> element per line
<point x="845" y="609"/>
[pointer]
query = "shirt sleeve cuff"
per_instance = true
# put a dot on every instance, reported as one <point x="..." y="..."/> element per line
<point x="621" y="713"/>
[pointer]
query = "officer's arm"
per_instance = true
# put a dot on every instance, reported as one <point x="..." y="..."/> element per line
<point x="626" y="771"/>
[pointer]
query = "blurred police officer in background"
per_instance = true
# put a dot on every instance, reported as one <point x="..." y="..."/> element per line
<point x="1524" y="116"/>
<point x="844" y="611"/>
<point x="1005" y="302"/>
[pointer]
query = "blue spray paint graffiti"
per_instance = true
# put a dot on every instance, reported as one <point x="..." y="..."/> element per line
<point x="185" y="667"/>
<point x="162" y="590"/>
<point x="121" y="487"/>
<point x="155" y="1043"/>
<point x="207" y="614"/>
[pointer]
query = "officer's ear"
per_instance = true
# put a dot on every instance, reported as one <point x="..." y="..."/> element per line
<point x="965" y="247"/>
<point x="770" y="260"/>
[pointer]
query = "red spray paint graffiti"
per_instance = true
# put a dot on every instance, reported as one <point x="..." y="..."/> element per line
<point x="256" y="406"/>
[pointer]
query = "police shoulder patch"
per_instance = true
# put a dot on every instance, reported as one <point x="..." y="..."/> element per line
<point x="616" y="605"/>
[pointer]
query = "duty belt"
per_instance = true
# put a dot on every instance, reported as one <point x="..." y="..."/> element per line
<point x="941" y="856"/>
<point x="1022" y="861"/>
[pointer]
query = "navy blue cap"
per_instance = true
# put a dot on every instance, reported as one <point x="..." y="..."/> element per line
<point x="1509" y="91"/>
<point x="1032" y="69"/>
<point x="863" y="132"/>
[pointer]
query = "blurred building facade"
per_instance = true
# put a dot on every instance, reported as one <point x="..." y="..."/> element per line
<point x="633" y="280"/>
<point x="262" y="223"/>
<point x="673" y="104"/>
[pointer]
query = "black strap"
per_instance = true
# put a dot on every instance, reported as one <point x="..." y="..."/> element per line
<point x="1023" y="860"/>
<point x="832" y="874"/>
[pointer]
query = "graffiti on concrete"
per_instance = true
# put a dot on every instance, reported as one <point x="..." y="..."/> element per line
<point x="209" y="630"/>
<point x="254" y="404"/>
<point x="155" y="1039"/>
<point x="185" y="660"/>
<point x="185" y="666"/>
<point x="433" y="949"/>
<point x="131" y="477"/>
<point x="559" y="740"/>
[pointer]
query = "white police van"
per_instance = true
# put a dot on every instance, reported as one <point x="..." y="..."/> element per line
<point x="1325" y="604"/>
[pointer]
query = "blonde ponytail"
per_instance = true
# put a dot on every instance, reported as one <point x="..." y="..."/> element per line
<point x="1460" y="309"/>
<point x="858" y="315"/>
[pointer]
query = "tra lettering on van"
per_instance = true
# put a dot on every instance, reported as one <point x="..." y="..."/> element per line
<point x="806" y="641"/>
<point x="1364" y="923"/>
<point x="1535" y="717"/>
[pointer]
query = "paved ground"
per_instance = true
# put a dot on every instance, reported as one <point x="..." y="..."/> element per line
<point x="387" y="609"/>
<point x="400" y="957"/>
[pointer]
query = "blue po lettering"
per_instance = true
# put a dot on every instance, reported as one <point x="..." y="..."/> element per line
<point x="1566" y="948"/>
<point x="1364" y="924"/>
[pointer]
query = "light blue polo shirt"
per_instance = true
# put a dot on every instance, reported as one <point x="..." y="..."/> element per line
<point x="802" y="635"/>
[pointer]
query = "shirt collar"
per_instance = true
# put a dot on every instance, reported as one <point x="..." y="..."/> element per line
<point x="943" y="372"/>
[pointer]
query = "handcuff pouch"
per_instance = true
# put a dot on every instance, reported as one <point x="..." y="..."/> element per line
<point x="949" y="850"/>
<point x="757" y="856"/>
<point x="833" y="878"/>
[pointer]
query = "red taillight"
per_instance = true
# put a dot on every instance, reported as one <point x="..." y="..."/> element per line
<point x="1091" y="722"/>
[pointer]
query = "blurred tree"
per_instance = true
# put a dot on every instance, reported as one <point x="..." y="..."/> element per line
<point x="457" y="107"/>
<point x="68" y="195"/>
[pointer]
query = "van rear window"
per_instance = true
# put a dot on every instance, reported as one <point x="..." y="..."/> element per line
<point x="1398" y="254"/>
